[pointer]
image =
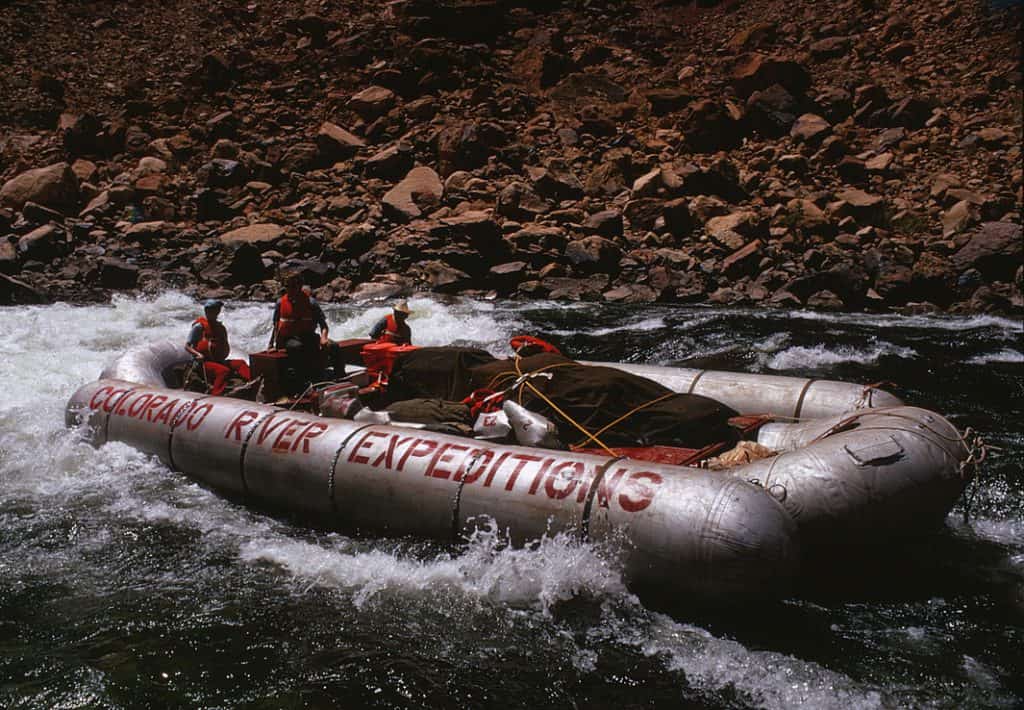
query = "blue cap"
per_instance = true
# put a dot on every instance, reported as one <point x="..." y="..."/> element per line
<point x="212" y="303"/>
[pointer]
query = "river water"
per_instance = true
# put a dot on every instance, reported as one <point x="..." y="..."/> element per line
<point x="123" y="584"/>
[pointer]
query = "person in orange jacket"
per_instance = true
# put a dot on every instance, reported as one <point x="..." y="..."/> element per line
<point x="297" y="316"/>
<point x="208" y="343"/>
<point x="393" y="328"/>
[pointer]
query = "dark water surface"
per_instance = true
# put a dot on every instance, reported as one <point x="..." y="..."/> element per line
<point x="123" y="584"/>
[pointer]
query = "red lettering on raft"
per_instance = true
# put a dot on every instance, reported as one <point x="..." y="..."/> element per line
<point x="387" y="458"/>
<point x="632" y="491"/>
<point x="355" y="456"/>
<point x="443" y="455"/>
<point x="94" y="403"/>
<point x="153" y="404"/>
<point x="267" y="429"/>
<point x="523" y="460"/>
<point x="573" y="479"/>
<point x="482" y="457"/>
<point x="419" y="449"/>
<point x="639" y="491"/>
<point x="244" y="418"/>
<point x="314" y="430"/>
<point x="197" y="415"/>
<point x="283" y="441"/>
<point x="165" y="412"/>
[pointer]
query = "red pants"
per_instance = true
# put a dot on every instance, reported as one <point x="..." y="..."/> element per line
<point x="217" y="373"/>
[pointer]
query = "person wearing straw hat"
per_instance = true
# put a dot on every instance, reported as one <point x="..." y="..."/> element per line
<point x="208" y="344"/>
<point x="393" y="328"/>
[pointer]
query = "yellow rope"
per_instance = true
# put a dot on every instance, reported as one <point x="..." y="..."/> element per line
<point x="556" y="407"/>
<point x="631" y="412"/>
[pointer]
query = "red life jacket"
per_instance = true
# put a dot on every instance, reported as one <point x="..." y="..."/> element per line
<point x="392" y="334"/>
<point x="294" y="317"/>
<point x="214" y="344"/>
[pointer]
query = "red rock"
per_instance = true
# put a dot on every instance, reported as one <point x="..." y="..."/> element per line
<point x="372" y="102"/>
<point x="420" y="189"/>
<point x="53" y="186"/>
<point x="810" y="128"/>
<point x="260" y="233"/>
<point x="759" y="71"/>
<point x="334" y="142"/>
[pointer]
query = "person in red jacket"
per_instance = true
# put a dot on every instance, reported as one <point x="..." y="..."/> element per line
<point x="208" y="344"/>
<point x="393" y="328"/>
<point x="297" y="316"/>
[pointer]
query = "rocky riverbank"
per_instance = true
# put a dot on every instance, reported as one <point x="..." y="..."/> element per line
<point x="854" y="155"/>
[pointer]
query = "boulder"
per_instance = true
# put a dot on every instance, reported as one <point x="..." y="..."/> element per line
<point x="444" y="277"/>
<point x="14" y="291"/>
<point x="246" y="264"/>
<point x="678" y="219"/>
<point x="476" y="228"/>
<point x="467" y="145"/>
<point x="593" y="254"/>
<point x="807" y="217"/>
<point x="42" y="244"/>
<point x="117" y="274"/>
<point x="810" y="128"/>
<point x="756" y="71"/>
<point x="372" y="102"/>
<point x="643" y="214"/>
<point x="520" y="202"/>
<point x="710" y="126"/>
<point x="259" y="234"/>
<point x="54" y="186"/>
<point x="335" y="143"/>
<point x="146" y="232"/>
<point x="772" y="111"/>
<point x="556" y="181"/>
<point x="996" y="250"/>
<point x="8" y="257"/>
<point x="957" y="218"/>
<point x="420" y="190"/>
<point x="606" y="223"/>
<point x="864" y="208"/>
<point x="391" y="162"/>
<point x="669" y="100"/>
<point x="744" y="222"/>
<point x="830" y="47"/>
<point x="631" y="293"/>
<point x="744" y="261"/>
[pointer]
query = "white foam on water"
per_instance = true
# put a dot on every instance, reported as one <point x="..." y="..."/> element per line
<point x="644" y="325"/>
<point x="1006" y="355"/>
<point x="817" y="356"/>
<point x="556" y="568"/>
<point x="1006" y="532"/>
<point x="1010" y="326"/>
<point x="714" y="665"/>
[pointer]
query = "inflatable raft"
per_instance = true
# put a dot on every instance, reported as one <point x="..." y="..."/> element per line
<point x="854" y="464"/>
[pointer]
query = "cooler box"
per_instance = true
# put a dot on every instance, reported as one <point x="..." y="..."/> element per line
<point x="379" y="358"/>
<point x="270" y="365"/>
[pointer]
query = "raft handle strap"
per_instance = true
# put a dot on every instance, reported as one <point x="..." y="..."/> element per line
<point x="589" y="504"/>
